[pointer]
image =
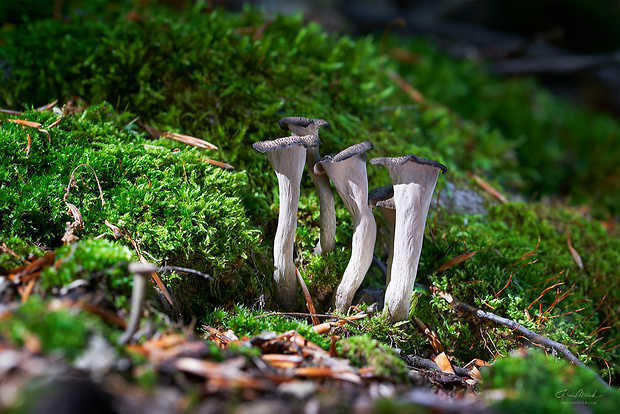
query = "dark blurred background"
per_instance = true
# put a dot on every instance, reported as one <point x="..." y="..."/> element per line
<point x="571" y="46"/>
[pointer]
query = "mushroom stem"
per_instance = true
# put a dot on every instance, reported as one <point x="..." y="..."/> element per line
<point x="383" y="197"/>
<point x="287" y="156"/>
<point x="347" y="170"/>
<point x="138" y="293"/>
<point x="289" y="186"/>
<point x="301" y="126"/>
<point x="414" y="181"/>
<point x="327" y="236"/>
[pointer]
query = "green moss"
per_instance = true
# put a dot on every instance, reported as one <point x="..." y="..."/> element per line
<point x="244" y="322"/>
<point x="178" y="209"/>
<point x="363" y="351"/>
<point x="23" y="249"/>
<point x="88" y="256"/>
<point x="498" y="280"/>
<point x="533" y="382"/>
<point x="62" y="330"/>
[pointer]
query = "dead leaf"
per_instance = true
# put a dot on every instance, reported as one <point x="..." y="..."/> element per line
<point x="572" y="250"/>
<point x="26" y="123"/>
<point x="116" y="231"/>
<point x="328" y="372"/>
<point x="219" y="163"/>
<point x="223" y="375"/>
<point x="326" y="326"/>
<point x="444" y="363"/>
<point x="488" y="188"/>
<point x="189" y="140"/>
<point x="407" y="88"/>
<point x="47" y="107"/>
<point x="282" y="360"/>
<point x="430" y="334"/>
<point x="455" y="260"/>
<point x="309" y="302"/>
<point x="75" y="213"/>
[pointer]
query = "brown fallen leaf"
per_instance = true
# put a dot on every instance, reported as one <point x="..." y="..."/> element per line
<point x="218" y="163"/>
<point x="489" y="188"/>
<point x="572" y="250"/>
<point x="116" y="231"/>
<point x="407" y="88"/>
<point x="309" y="302"/>
<point x="24" y="273"/>
<point x="444" y="363"/>
<point x="75" y="213"/>
<point x="47" y="107"/>
<point x="221" y="375"/>
<point x="474" y="373"/>
<point x="283" y="361"/>
<point x="430" y="334"/>
<point x="455" y="260"/>
<point x="31" y="124"/>
<point x="328" y="372"/>
<point x="189" y="140"/>
<point x="326" y="326"/>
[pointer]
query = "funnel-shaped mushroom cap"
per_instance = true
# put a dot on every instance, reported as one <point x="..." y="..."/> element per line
<point x="347" y="170"/>
<point x="414" y="180"/>
<point x="306" y="141"/>
<point x="352" y="151"/>
<point x="300" y="125"/>
<point x="391" y="162"/>
<point x="380" y="196"/>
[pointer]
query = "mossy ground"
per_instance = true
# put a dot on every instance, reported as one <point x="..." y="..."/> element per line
<point x="227" y="78"/>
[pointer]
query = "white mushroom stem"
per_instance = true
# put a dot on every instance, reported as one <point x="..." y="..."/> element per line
<point x="383" y="197"/>
<point x="414" y="181"/>
<point x="141" y="274"/>
<point x="301" y="126"/>
<point x="288" y="164"/>
<point x="347" y="170"/>
<point x="327" y="236"/>
<point x="390" y="217"/>
<point x="287" y="156"/>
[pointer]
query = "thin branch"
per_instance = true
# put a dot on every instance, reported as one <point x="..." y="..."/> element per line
<point x="464" y="307"/>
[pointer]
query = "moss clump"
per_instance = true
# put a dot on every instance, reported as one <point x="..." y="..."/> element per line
<point x="60" y="330"/>
<point x="501" y="280"/>
<point x="244" y="322"/>
<point x="179" y="209"/>
<point x="529" y="381"/>
<point x="88" y="256"/>
<point x="363" y="351"/>
<point x="22" y="248"/>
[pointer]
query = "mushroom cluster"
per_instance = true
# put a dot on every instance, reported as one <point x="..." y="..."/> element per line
<point x="405" y="205"/>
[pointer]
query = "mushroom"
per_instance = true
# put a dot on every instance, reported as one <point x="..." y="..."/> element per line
<point x="301" y="126"/>
<point x="414" y="180"/>
<point x="141" y="272"/>
<point x="287" y="156"/>
<point x="383" y="197"/>
<point x="347" y="170"/>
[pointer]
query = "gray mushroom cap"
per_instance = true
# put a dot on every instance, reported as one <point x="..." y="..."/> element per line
<point x="296" y="123"/>
<point x="347" y="153"/>
<point x="391" y="161"/>
<point x="381" y="197"/>
<point x="305" y="140"/>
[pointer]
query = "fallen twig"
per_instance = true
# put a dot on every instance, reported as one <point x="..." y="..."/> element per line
<point x="515" y="326"/>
